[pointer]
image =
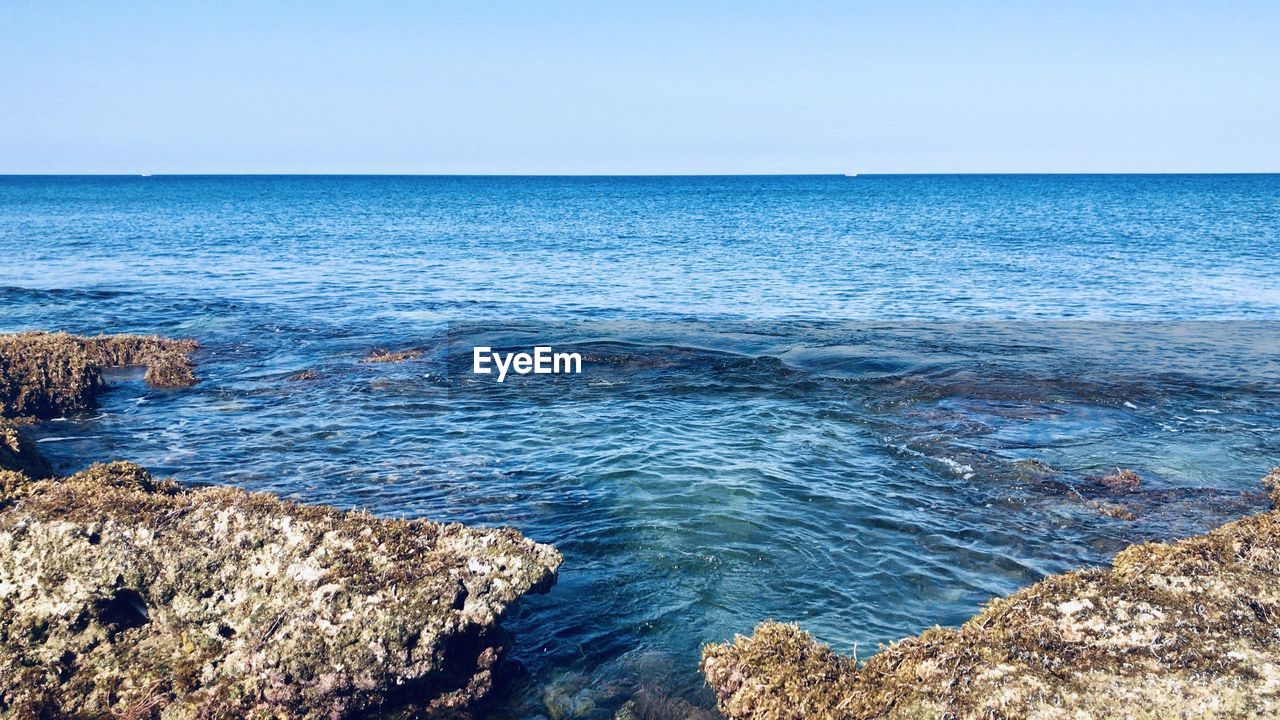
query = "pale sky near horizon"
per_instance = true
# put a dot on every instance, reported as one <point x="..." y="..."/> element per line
<point x="553" y="87"/>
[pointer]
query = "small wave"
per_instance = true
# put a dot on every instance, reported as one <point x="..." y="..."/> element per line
<point x="18" y="293"/>
<point x="959" y="468"/>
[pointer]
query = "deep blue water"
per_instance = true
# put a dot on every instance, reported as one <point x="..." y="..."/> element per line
<point x="863" y="404"/>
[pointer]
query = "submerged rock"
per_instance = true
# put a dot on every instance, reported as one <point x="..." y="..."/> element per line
<point x="634" y="686"/>
<point x="1121" y="481"/>
<point x="1112" y="510"/>
<point x="49" y="374"/>
<point x="383" y="355"/>
<point x="649" y="704"/>
<point x="122" y="594"/>
<point x="1185" y="629"/>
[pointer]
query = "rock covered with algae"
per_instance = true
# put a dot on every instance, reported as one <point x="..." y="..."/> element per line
<point x="44" y="375"/>
<point x="124" y="594"/>
<point x="1184" y="629"/>
<point x="48" y="374"/>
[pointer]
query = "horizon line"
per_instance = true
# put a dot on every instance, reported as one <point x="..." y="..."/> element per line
<point x="628" y="175"/>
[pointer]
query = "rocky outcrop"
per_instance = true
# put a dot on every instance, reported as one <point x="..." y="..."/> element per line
<point x="45" y="375"/>
<point x="126" y="596"/>
<point x="48" y="374"/>
<point x="1185" y="629"/>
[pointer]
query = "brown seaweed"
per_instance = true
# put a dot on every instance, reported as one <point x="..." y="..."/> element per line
<point x="49" y="374"/>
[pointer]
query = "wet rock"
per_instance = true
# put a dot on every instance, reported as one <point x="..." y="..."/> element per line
<point x="121" y="594"/>
<point x="383" y="355"/>
<point x="1121" y="481"/>
<point x="1034" y="469"/>
<point x="635" y="685"/>
<point x="303" y="376"/>
<point x="570" y="695"/>
<point x="1184" y="629"/>
<point x="1112" y="510"/>
<point x="49" y="374"/>
<point x="650" y="704"/>
<point x="1272" y="485"/>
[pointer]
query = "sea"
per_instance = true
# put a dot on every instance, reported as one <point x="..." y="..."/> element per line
<point x="865" y="405"/>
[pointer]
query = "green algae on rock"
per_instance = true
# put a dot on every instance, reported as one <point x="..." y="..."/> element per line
<point x="1184" y="629"/>
<point x="49" y="374"/>
<point x="125" y="595"/>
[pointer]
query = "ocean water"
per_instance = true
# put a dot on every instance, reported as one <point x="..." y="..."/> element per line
<point x="866" y="405"/>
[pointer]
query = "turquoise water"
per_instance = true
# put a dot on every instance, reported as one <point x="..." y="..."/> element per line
<point x="862" y="404"/>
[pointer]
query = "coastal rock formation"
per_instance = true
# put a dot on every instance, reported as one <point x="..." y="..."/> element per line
<point x="126" y="596"/>
<point x="120" y="593"/>
<point x="49" y="374"/>
<point x="44" y="375"/>
<point x="1184" y="629"/>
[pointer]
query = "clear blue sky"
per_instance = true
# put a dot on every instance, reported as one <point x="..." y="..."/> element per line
<point x="639" y="87"/>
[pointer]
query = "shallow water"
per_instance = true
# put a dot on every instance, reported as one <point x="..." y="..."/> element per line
<point x="863" y="404"/>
